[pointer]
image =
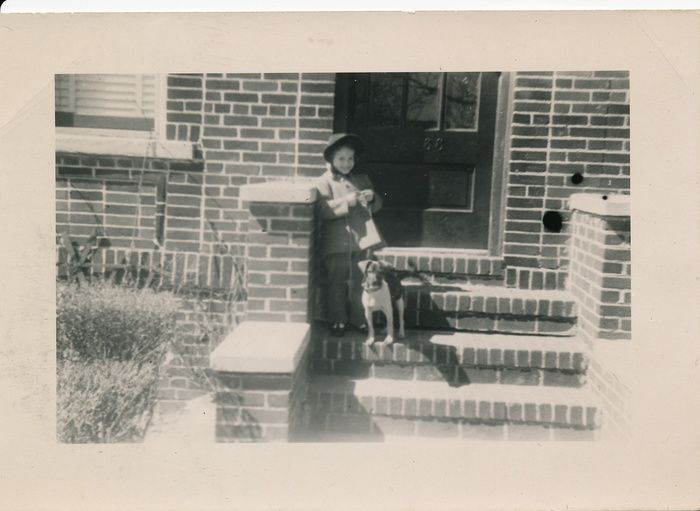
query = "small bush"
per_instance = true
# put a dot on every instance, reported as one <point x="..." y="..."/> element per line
<point x="102" y="321"/>
<point x="104" y="401"/>
<point x="110" y="343"/>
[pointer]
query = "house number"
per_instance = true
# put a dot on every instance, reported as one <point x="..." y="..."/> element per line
<point x="429" y="144"/>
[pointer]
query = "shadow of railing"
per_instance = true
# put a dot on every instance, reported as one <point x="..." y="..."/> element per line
<point x="233" y="422"/>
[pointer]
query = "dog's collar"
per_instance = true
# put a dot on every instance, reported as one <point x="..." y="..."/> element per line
<point x="375" y="289"/>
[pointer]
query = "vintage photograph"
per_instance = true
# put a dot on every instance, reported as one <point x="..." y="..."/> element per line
<point x="343" y="257"/>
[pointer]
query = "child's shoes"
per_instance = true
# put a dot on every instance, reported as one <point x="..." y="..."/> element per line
<point x="338" y="329"/>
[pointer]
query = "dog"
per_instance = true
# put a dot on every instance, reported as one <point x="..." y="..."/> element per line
<point x="381" y="289"/>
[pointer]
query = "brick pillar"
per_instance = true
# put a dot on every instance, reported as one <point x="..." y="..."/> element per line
<point x="280" y="251"/>
<point x="600" y="277"/>
<point x="261" y="372"/>
<point x="261" y="368"/>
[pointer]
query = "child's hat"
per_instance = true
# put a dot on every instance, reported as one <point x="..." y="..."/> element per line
<point x="342" y="139"/>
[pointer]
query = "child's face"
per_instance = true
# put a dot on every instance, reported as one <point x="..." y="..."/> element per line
<point x="344" y="159"/>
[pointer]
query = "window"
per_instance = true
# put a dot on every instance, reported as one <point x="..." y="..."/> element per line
<point x="114" y="114"/>
<point x="124" y="102"/>
<point x="429" y="101"/>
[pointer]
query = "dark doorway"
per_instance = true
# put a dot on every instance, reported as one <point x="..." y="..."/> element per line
<point x="430" y="143"/>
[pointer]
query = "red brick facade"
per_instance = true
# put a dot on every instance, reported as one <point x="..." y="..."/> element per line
<point x="245" y="128"/>
<point x="280" y="262"/>
<point x="569" y="133"/>
<point x="601" y="275"/>
<point x="259" y="127"/>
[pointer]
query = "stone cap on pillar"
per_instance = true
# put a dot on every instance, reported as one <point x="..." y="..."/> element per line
<point x="261" y="347"/>
<point x="601" y="204"/>
<point x="291" y="192"/>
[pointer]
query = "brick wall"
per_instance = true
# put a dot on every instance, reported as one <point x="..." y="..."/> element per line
<point x="569" y="133"/>
<point x="280" y="261"/>
<point x="614" y="398"/>
<point x="170" y="190"/>
<point x="600" y="275"/>
<point x="129" y="200"/>
<point x="247" y="127"/>
<point x="260" y="127"/>
<point x="185" y="103"/>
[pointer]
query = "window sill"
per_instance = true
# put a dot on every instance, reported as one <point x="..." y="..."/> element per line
<point x="107" y="142"/>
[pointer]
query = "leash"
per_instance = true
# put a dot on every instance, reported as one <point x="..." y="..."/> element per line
<point x="351" y="268"/>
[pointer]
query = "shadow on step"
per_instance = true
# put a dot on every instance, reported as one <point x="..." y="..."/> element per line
<point x="444" y="359"/>
<point x="418" y="358"/>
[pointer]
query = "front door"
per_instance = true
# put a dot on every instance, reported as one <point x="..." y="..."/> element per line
<point x="429" y="140"/>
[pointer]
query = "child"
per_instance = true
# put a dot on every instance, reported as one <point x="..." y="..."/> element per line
<point x="346" y="201"/>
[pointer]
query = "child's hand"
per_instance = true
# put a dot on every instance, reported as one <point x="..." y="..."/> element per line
<point x="352" y="199"/>
<point x="367" y="195"/>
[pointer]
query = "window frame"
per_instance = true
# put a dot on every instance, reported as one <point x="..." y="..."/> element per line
<point x="120" y="142"/>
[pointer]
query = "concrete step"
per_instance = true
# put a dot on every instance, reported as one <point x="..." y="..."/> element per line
<point x="455" y="357"/>
<point x="376" y="407"/>
<point x="481" y="308"/>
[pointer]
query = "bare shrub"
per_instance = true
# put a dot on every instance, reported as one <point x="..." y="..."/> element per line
<point x="111" y="341"/>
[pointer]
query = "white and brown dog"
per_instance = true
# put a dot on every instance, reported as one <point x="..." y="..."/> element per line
<point x="381" y="288"/>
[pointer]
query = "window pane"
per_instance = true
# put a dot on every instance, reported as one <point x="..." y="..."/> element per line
<point x="422" y="107"/>
<point x="385" y="99"/>
<point x="461" y="100"/>
<point x="106" y="101"/>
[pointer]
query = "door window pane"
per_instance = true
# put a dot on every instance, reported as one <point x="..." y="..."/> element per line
<point x="422" y="104"/>
<point x="359" y="98"/>
<point x="461" y="100"/>
<point x="385" y="99"/>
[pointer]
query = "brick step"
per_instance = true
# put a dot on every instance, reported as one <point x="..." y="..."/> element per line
<point x="445" y="265"/>
<point x="343" y="427"/>
<point x="455" y="357"/>
<point x="479" y="308"/>
<point x="410" y="408"/>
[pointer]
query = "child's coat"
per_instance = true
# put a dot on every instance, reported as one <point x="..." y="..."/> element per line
<point x="343" y="226"/>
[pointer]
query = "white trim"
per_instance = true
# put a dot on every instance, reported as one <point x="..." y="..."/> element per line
<point x="599" y="204"/>
<point x="119" y="143"/>
<point x="293" y="192"/>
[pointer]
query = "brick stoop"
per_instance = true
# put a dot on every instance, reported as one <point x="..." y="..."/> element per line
<point x="455" y="357"/>
<point x="370" y="409"/>
<point x="484" y="308"/>
<point x="446" y="265"/>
